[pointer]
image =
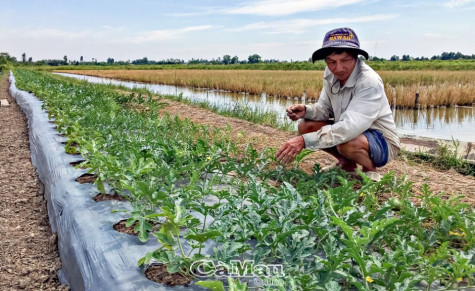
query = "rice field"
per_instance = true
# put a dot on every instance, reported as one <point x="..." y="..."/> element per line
<point x="435" y="88"/>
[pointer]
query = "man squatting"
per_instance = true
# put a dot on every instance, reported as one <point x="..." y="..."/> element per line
<point x="352" y="119"/>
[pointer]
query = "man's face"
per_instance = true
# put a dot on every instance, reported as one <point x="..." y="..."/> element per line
<point x="341" y="65"/>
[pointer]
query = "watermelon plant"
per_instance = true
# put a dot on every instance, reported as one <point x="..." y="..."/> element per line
<point x="202" y="197"/>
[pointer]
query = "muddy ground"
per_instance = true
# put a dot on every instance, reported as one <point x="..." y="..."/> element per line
<point x="28" y="249"/>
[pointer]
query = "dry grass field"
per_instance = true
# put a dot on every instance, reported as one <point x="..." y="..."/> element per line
<point x="435" y="88"/>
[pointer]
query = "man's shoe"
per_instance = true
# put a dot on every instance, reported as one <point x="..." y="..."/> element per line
<point x="375" y="176"/>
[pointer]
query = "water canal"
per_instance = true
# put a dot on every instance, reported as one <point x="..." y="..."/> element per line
<point x="441" y="123"/>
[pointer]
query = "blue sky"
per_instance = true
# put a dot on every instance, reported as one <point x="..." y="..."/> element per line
<point x="274" y="29"/>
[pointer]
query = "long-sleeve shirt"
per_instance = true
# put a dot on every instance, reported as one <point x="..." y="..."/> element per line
<point x="357" y="106"/>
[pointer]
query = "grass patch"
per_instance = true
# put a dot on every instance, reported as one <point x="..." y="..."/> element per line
<point x="445" y="158"/>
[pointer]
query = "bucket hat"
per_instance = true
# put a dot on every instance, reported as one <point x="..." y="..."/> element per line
<point x="343" y="38"/>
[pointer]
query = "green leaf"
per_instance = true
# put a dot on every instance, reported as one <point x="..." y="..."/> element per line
<point x="165" y="237"/>
<point x="204" y="236"/>
<point x="212" y="285"/>
<point x="178" y="211"/>
<point x="143" y="227"/>
<point x="173" y="268"/>
<point x="282" y="236"/>
<point x="130" y="221"/>
<point x="146" y="259"/>
<point x="236" y="285"/>
<point x="380" y="213"/>
<point x="342" y="224"/>
<point x="302" y="155"/>
<point x="332" y="286"/>
<point x="100" y="185"/>
<point x="154" y="215"/>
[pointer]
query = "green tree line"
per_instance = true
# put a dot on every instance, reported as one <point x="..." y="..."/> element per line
<point x="445" y="61"/>
<point x="225" y="60"/>
<point x="444" y="56"/>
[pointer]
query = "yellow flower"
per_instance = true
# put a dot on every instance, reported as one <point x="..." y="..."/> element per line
<point x="362" y="194"/>
<point x="368" y="279"/>
<point x="459" y="279"/>
<point x="208" y="158"/>
<point x="456" y="233"/>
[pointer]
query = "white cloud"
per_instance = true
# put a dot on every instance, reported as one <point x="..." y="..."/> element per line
<point x="109" y="28"/>
<point x="104" y="34"/>
<point x="434" y="35"/>
<point x="52" y="34"/>
<point x="286" y="7"/>
<point x="165" y="34"/>
<point x="194" y="28"/>
<point x="457" y="3"/>
<point x="297" y="26"/>
<point x="437" y="35"/>
<point x="58" y="34"/>
<point x="206" y="11"/>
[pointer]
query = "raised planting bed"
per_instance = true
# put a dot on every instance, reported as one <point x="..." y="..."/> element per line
<point x="94" y="256"/>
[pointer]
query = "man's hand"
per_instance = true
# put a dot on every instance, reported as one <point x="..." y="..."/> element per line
<point x="290" y="149"/>
<point x="295" y="112"/>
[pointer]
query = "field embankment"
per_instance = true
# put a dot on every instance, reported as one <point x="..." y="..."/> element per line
<point x="434" y="88"/>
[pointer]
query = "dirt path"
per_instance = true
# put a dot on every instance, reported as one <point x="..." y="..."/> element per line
<point x="28" y="250"/>
<point x="449" y="182"/>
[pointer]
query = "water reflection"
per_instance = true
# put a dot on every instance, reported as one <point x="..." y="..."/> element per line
<point x="445" y="123"/>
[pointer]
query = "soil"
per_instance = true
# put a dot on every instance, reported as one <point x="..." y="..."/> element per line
<point x="28" y="249"/>
<point x="449" y="182"/>
<point x="86" y="178"/>
<point x="74" y="164"/>
<point x="104" y="197"/>
<point x="121" y="227"/>
<point x="73" y="144"/>
<point x="159" y="274"/>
